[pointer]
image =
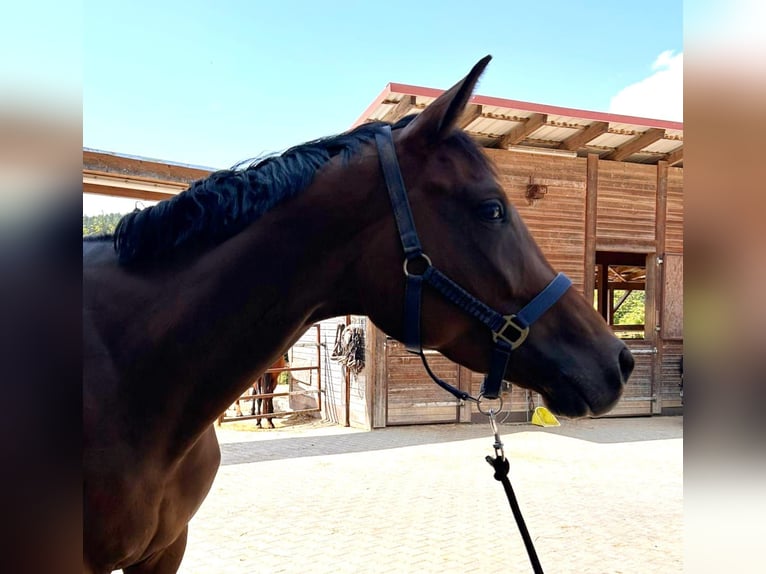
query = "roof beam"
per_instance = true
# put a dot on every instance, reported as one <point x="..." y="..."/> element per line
<point x="676" y="156"/>
<point x="127" y="186"/>
<point x="636" y="144"/>
<point x="401" y="109"/>
<point x="522" y="132"/>
<point x="583" y="136"/>
<point x="471" y="112"/>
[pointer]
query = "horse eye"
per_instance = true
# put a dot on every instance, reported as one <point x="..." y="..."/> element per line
<point x="492" y="211"/>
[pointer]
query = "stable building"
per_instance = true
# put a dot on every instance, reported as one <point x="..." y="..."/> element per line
<point x="602" y="194"/>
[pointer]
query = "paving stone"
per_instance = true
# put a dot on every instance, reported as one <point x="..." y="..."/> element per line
<point x="602" y="496"/>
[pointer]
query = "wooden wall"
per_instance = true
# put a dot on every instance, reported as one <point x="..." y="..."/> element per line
<point x="670" y="375"/>
<point x="674" y="229"/>
<point x="626" y="207"/>
<point x="637" y="398"/>
<point x="413" y="398"/>
<point x="672" y="315"/>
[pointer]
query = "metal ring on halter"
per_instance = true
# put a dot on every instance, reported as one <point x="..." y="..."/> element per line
<point x="423" y="256"/>
<point x="490" y="411"/>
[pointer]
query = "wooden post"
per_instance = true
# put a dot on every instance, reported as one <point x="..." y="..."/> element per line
<point x="591" y="209"/>
<point x="379" y="374"/>
<point x="603" y="291"/>
<point x="661" y="217"/>
<point x="464" y="378"/>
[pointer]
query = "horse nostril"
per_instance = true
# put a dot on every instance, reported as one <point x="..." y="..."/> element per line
<point x="627" y="362"/>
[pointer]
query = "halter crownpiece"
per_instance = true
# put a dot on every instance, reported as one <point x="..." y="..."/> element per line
<point x="508" y="331"/>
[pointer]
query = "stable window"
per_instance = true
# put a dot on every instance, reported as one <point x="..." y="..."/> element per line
<point x="620" y="292"/>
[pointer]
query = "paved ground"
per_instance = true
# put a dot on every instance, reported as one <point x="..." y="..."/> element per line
<point x="599" y="496"/>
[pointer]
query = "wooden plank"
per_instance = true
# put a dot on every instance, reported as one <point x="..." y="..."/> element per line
<point x="674" y="225"/>
<point x="126" y="192"/>
<point x="603" y="292"/>
<point x="637" y="398"/>
<point x="582" y="137"/>
<point x="670" y="374"/>
<point x="657" y="283"/>
<point x="521" y="132"/>
<point x="672" y="315"/>
<point x="379" y="377"/>
<point x="651" y="320"/>
<point x="651" y="316"/>
<point x="636" y="144"/>
<point x="627" y="203"/>
<point x="465" y="379"/>
<point x="401" y="109"/>
<point x="412" y="397"/>
<point x="614" y="244"/>
<point x="661" y="206"/>
<point x="110" y="163"/>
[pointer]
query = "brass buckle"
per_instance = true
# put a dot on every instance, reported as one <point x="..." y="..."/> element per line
<point x="509" y="322"/>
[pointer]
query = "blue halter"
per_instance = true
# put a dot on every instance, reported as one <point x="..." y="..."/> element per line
<point x="508" y="331"/>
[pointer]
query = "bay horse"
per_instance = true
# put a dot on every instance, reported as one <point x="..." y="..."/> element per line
<point x="178" y="320"/>
<point x="265" y="385"/>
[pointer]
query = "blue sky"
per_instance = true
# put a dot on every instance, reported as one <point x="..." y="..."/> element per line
<point x="214" y="82"/>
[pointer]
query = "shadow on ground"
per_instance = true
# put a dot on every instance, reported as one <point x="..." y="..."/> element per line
<point x="285" y="445"/>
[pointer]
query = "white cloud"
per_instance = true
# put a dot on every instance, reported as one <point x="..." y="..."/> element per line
<point x="659" y="96"/>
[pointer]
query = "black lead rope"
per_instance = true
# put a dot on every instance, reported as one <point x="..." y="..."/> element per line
<point x="502" y="467"/>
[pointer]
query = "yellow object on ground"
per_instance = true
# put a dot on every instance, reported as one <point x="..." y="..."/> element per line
<point x="544" y="418"/>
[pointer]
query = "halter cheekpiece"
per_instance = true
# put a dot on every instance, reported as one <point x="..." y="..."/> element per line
<point x="508" y="331"/>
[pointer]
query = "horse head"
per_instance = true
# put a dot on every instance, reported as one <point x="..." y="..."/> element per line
<point x="473" y="235"/>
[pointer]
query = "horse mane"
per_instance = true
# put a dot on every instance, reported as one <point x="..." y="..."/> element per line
<point x="218" y="207"/>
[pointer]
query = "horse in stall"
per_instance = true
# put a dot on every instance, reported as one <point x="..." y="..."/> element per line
<point x="178" y="320"/>
<point x="264" y="385"/>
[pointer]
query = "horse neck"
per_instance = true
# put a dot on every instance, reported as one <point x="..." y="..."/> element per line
<point x="253" y="296"/>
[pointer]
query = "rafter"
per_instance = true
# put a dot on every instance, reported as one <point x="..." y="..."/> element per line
<point x="636" y="144"/>
<point x="583" y="136"/>
<point x="401" y="109"/>
<point x="471" y="112"/>
<point x="676" y="156"/>
<point x="521" y="132"/>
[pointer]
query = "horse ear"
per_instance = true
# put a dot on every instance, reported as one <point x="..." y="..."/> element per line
<point x="439" y="118"/>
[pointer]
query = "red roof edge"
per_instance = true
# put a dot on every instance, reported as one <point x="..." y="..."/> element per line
<point x="528" y="106"/>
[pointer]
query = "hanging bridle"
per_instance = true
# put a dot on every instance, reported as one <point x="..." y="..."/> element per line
<point x="508" y="331"/>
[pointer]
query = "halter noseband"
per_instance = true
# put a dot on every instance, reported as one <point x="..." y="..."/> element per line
<point x="508" y="331"/>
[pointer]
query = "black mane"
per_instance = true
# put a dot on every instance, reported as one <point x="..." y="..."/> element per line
<point x="218" y="207"/>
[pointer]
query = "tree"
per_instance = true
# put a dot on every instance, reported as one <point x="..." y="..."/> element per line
<point x="632" y="310"/>
<point x="100" y="224"/>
